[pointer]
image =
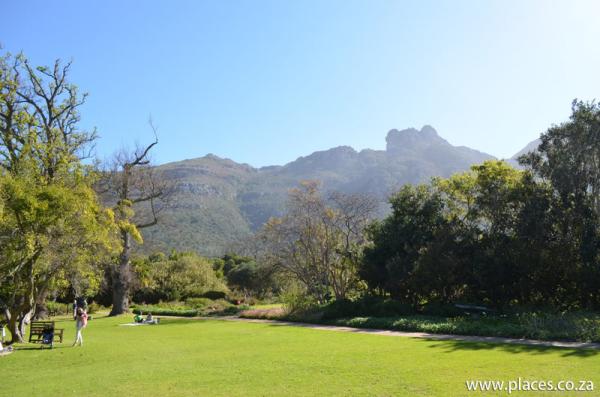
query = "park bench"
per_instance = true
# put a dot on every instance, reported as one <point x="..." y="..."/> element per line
<point x="37" y="328"/>
<point x="475" y="309"/>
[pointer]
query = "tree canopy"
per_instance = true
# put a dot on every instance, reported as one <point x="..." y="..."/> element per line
<point x="52" y="225"/>
<point x="498" y="235"/>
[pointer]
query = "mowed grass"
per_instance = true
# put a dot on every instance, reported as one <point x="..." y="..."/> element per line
<point x="189" y="357"/>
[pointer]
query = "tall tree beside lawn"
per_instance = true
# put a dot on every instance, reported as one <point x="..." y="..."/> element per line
<point x="569" y="158"/>
<point x="52" y="224"/>
<point x="398" y="241"/>
<point x="138" y="196"/>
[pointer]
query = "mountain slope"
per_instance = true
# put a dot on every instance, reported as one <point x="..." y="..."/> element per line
<point x="205" y="215"/>
<point x="218" y="201"/>
<point x="530" y="147"/>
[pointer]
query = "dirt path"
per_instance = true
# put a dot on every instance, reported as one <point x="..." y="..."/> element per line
<point x="424" y="335"/>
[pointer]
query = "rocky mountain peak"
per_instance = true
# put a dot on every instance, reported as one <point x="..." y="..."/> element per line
<point x="411" y="138"/>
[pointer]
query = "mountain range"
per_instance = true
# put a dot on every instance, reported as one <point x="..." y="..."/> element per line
<point x="217" y="202"/>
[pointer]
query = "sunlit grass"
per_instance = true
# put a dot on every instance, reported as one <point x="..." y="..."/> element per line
<point x="190" y="357"/>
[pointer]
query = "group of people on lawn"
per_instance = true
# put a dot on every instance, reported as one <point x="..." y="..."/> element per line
<point x="139" y="319"/>
<point x="79" y="315"/>
<point x="81" y="319"/>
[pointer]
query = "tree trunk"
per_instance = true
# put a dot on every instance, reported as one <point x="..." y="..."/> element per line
<point x="41" y="310"/>
<point x="19" y="315"/>
<point x="121" y="279"/>
<point x="15" y="330"/>
<point x="25" y="319"/>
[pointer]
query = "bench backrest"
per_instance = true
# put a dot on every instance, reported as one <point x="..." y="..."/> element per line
<point x="38" y="327"/>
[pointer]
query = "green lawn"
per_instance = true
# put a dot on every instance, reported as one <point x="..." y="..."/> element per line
<point x="187" y="357"/>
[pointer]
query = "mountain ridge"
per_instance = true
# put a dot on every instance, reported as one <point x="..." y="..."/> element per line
<point x="219" y="201"/>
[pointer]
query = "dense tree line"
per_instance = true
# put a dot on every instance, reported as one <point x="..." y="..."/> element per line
<point x="498" y="235"/>
<point x="493" y="235"/>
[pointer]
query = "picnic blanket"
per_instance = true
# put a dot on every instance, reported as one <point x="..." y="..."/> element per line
<point x="136" y="324"/>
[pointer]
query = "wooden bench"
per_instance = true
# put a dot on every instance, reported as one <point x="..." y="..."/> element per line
<point x="37" y="328"/>
<point x="475" y="309"/>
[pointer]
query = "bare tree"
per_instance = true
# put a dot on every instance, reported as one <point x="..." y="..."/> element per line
<point x="350" y="216"/>
<point x="39" y="116"/>
<point x="318" y="241"/>
<point x="139" y="195"/>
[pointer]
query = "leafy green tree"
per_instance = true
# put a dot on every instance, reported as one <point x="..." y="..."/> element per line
<point x="53" y="232"/>
<point x="568" y="157"/>
<point x="52" y="224"/>
<point x="497" y="205"/>
<point x="461" y="238"/>
<point x="417" y="216"/>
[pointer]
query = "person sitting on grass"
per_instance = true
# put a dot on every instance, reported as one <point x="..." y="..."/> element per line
<point x="150" y="319"/>
<point x="5" y="350"/>
<point x="138" y="318"/>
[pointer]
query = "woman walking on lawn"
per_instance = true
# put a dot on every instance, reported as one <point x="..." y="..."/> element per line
<point x="80" y="323"/>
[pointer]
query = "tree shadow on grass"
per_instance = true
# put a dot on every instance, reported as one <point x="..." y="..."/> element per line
<point x="32" y="347"/>
<point x="450" y="346"/>
<point x="452" y="343"/>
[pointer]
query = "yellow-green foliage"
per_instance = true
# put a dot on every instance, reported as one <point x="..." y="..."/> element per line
<point x="178" y="276"/>
<point x="63" y="226"/>
<point x="461" y="189"/>
<point x="126" y="213"/>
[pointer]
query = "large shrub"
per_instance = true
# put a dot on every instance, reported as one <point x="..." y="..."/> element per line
<point x="297" y="302"/>
<point x="176" y="277"/>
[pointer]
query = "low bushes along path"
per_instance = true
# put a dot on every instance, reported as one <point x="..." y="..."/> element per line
<point x="424" y="335"/>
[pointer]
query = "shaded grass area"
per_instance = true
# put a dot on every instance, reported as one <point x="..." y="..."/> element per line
<point x="543" y="326"/>
<point x="491" y="326"/>
<point x="190" y="357"/>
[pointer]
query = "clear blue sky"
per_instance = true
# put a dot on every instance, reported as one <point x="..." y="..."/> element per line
<point x="264" y="82"/>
